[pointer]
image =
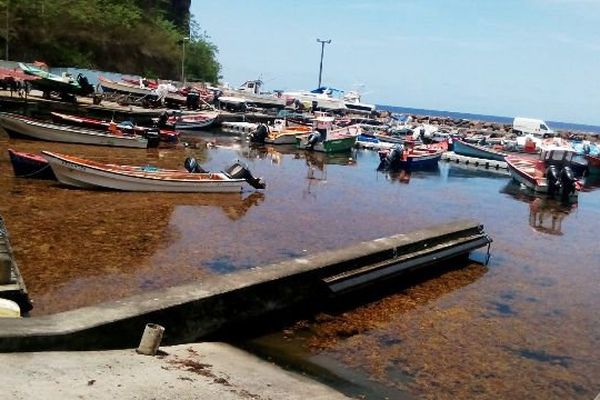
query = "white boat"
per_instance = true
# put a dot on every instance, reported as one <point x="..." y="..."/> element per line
<point x="16" y="125"/>
<point x="87" y="174"/>
<point x="321" y="98"/>
<point x="249" y="93"/>
<point x="353" y="103"/>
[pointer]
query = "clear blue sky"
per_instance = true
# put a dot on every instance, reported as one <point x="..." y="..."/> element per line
<point x="533" y="58"/>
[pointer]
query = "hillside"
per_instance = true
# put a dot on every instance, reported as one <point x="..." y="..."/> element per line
<point x="129" y="36"/>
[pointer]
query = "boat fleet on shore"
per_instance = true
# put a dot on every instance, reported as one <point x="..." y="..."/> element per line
<point x="552" y="165"/>
<point x="536" y="157"/>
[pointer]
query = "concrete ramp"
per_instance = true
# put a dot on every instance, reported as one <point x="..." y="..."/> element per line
<point x="406" y="252"/>
<point x="190" y="312"/>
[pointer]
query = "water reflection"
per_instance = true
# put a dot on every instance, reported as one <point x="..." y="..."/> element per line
<point x="545" y="214"/>
<point x="404" y="176"/>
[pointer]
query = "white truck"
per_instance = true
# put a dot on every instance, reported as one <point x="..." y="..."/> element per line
<point x="531" y="133"/>
<point x="536" y="127"/>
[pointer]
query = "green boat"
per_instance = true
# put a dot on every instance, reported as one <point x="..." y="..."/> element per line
<point x="49" y="83"/>
<point x="336" y="140"/>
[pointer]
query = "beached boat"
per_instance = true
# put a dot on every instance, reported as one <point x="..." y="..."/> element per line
<point x="20" y="126"/>
<point x="87" y="174"/>
<point x="321" y="98"/>
<point x="28" y="165"/>
<point x="48" y="82"/>
<point x="474" y="150"/>
<point x="553" y="174"/>
<point x="164" y="91"/>
<point x="249" y="93"/>
<point x="409" y="158"/>
<point x="126" y="127"/>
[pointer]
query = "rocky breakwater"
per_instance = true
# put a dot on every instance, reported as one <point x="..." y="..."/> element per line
<point x="470" y="128"/>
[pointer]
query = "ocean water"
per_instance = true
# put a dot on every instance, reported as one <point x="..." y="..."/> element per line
<point x="568" y="126"/>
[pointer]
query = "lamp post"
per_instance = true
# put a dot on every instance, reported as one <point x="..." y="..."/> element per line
<point x="183" y="59"/>
<point x="323" y="43"/>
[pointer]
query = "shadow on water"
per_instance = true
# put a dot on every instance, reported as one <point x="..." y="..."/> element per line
<point x="299" y="339"/>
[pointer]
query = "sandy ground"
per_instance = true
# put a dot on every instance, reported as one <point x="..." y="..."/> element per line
<point x="194" y="371"/>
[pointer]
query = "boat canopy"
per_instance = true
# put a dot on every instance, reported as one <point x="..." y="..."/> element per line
<point x="326" y="90"/>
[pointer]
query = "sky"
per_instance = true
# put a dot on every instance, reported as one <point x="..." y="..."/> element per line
<point x="529" y="58"/>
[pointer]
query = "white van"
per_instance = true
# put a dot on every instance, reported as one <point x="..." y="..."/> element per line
<point x="536" y="127"/>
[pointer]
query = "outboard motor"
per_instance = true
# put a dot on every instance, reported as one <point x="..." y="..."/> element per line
<point x="85" y="85"/>
<point x="162" y="120"/>
<point x="313" y="139"/>
<point x="192" y="100"/>
<point x="391" y="158"/>
<point x="567" y="181"/>
<point x="552" y="179"/>
<point x="191" y="165"/>
<point x="153" y="137"/>
<point x="239" y="171"/>
<point x="260" y="134"/>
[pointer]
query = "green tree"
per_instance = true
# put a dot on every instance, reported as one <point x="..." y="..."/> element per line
<point x="128" y="36"/>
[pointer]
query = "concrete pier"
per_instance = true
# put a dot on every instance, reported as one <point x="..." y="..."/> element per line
<point x="479" y="163"/>
<point x="202" y="308"/>
<point x="14" y="288"/>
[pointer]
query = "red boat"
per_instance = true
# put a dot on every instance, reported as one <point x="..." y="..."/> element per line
<point x="126" y="127"/>
<point x="593" y="164"/>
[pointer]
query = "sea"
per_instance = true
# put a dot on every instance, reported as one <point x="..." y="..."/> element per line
<point x="557" y="125"/>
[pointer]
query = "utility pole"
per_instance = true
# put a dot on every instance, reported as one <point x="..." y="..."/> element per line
<point x="323" y="43"/>
<point x="183" y="60"/>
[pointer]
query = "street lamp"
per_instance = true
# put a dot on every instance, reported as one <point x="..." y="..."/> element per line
<point x="183" y="59"/>
<point x="323" y="43"/>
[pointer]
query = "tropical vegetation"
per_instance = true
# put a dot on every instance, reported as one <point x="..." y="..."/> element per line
<point x="127" y="36"/>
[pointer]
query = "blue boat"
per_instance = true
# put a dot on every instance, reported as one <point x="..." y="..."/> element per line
<point x="408" y="159"/>
<point x="586" y="148"/>
<point x="473" y="150"/>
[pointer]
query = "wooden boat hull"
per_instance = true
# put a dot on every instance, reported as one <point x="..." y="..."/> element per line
<point x="524" y="171"/>
<point x="473" y="150"/>
<point x="33" y="129"/>
<point x="86" y="174"/>
<point x="125" y="88"/>
<point x="131" y="89"/>
<point x="421" y="161"/>
<point x="286" y="137"/>
<point x="165" y="135"/>
<point x="27" y="165"/>
<point x="193" y="122"/>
